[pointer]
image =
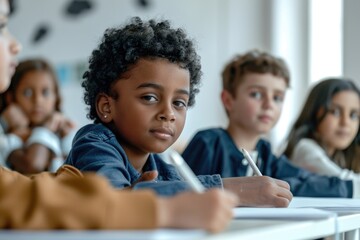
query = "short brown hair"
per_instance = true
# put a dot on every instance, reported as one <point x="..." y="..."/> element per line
<point x="253" y="61"/>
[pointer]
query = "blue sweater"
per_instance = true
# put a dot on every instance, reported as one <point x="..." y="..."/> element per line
<point x="213" y="151"/>
<point x="96" y="149"/>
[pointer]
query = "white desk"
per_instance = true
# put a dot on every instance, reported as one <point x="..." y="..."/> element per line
<point x="253" y="229"/>
<point x="162" y="234"/>
<point x="238" y="229"/>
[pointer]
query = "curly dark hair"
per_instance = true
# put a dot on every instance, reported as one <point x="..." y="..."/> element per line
<point x="120" y="48"/>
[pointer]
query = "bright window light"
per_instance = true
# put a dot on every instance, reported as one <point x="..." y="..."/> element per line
<point x="326" y="52"/>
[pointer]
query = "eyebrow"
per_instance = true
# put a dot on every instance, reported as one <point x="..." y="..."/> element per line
<point x="341" y="107"/>
<point x="159" y="87"/>
<point x="276" y="90"/>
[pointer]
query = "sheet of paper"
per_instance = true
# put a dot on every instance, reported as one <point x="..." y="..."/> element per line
<point x="330" y="204"/>
<point x="281" y="213"/>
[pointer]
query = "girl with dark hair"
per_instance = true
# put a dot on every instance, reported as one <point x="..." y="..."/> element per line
<point x="37" y="136"/>
<point x="325" y="137"/>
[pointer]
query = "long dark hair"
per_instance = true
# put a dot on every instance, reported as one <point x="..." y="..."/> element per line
<point x="30" y="65"/>
<point x="305" y="126"/>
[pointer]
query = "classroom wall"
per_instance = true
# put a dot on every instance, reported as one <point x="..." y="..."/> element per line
<point x="222" y="28"/>
<point x="351" y="39"/>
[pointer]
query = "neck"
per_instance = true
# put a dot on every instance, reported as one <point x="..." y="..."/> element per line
<point x="136" y="159"/>
<point x="243" y="138"/>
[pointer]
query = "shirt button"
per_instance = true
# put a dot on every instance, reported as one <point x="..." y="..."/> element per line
<point x="244" y="162"/>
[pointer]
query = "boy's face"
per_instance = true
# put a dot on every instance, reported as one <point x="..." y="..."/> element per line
<point x="150" y="111"/>
<point x="36" y="96"/>
<point x="8" y="48"/>
<point x="258" y="103"/>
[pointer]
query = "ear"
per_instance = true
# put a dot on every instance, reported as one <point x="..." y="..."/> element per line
<point x="103" y="108"/>
<point x="227" y="100"/>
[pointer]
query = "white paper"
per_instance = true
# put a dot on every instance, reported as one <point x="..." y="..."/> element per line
<point x="330" y="204"/>
<point x="281" y="213"/>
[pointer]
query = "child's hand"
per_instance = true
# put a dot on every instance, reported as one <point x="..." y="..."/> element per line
<point x="34" y="159"/>
<point x="23" y="133"/>
<point x="211" y="210"/>
<point x="59" y="124"/>
<point x="259" y="191"/>
<point x="146" y="177"/>
<point x="15" y="117"/>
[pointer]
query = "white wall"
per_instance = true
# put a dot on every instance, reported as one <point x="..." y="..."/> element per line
<point x="351" y="39"/>
<point x="222" y="28"/>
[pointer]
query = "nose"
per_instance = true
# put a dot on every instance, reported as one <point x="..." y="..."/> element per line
<point x="267" y="102"/>
<point x="166" y="113"/>
<point x="15" y="46"/>
<point x="344" y="119"/>
<point x="37" y="98"/>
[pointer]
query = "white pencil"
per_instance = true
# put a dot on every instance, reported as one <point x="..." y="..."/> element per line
<point x="186" y="172"/>
<point x="251" y="162"/>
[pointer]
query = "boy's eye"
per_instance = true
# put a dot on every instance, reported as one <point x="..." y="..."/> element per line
<point x="149" y="98"/>
<point x="180" y="104"/>
<point x="28" y="92"/>
<point x="256" y="95"/>
<point x="279" y="98"/>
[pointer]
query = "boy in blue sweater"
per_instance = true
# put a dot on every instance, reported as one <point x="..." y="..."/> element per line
<point x="141" y="80"/>
<point x="254" y="86"/>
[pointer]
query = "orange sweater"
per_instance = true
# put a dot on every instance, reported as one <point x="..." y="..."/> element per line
<point x="70" y="200"/>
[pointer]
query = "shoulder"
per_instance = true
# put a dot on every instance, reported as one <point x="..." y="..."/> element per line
<point x="306" y="146"/>
<point x="211" y="134"/>
<point x="97" y="131"/>
<point x="306" y="150"/>
<point x="210" y="138"/>
<point x="307" y="142"/>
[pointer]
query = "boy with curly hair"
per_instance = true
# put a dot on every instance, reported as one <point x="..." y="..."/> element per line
<point x="141" y="80"/>
<point x="254" y="86"/>
<point x="69" y="199"/>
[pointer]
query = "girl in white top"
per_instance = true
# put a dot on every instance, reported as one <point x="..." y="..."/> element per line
<point x="34" y="135"/>
<point x="325" y="137"/>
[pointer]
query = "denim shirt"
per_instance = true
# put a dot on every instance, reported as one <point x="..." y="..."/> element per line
<point x="96" y="149"/>
<point x="213" y="151"/>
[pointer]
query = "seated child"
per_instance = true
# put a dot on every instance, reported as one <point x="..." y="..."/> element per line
<point x="254" y="86"/>
<point x="36" y="136"/>
<point x="71" y="200"/>
<point x="141" y="80"/>
<point x="325" y="137"/>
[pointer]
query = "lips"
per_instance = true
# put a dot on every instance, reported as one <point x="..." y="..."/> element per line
<point x="265" y="118"/>
<point x="342" y="133"/>
<point x="162" y="132"/>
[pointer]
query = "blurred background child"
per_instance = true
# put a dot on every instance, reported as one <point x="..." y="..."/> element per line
<point x="325" y="137"/>
<point x="254" y="89"/>
<point x="36" y="136"/>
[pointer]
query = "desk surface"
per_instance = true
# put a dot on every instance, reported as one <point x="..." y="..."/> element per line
<point x="238" y="229"/>
<point x="270" y="229"/>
